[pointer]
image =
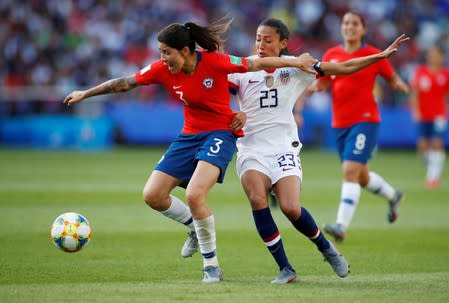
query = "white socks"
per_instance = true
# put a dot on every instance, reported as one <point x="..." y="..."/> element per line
<point x="205" y="232"/>
<point x="350" y="195"/>
<point x="205" y="229"/>
<point x="378" y="186"/>
<point x="179" y="212"/>
<point x="435" y="164"/>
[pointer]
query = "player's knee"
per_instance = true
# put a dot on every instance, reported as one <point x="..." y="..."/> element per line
<point x="258" y="201"/>
<point x="154" y="199"/>
<point x="351" y="173"/>
<point x="291" y="210"/>
<point x="194" y="197"/>
<point x="438" y="144"/>
<point x="363" y="180"/>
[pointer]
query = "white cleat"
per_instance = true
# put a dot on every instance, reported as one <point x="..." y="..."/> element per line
<point x="336" y="260"/>
<point x="190" y="246"/>
<point x="212" y="274"/>
<point x="287" y="275"/>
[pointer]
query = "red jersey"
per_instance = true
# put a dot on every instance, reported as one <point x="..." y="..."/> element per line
<point x="352" y="95"/>
<point x="432" y="90"/>
<point x="205" y="93"/>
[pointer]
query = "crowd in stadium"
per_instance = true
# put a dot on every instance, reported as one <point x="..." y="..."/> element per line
<point x="66" y="44"/>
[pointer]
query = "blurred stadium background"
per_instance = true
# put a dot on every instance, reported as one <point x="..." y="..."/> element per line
<point x="51" y="47"/>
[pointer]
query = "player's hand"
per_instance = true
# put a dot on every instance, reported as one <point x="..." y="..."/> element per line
<point x="394" y="46"/>
<point x="398" y="84"/>
<point x="74" y="97"/>
<point x="416" y="115"/>
<point x="238" y="121"/>
<point x="305" y="63"/>
<point x="402" y="87"/>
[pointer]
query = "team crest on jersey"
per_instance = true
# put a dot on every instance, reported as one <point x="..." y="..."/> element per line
<point x="269" y="81"/>
<point x="441" y="79"/>
<point x="425" y="83"/>
<point x="208" y="82"/>
<point x="285" y="77"/>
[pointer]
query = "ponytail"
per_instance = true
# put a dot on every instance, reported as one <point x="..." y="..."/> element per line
<point x="210" y="37"/>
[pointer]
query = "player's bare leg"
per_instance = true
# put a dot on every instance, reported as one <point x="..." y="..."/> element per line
<point x="349" y="199"/>
<point x="435" y="163"/>
<point x="156" y="194"/>
<point x="204" y="177"/>
<point x="377" y="185"/>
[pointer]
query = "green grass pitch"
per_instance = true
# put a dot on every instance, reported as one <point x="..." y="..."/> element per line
<point x="134" y="255"/>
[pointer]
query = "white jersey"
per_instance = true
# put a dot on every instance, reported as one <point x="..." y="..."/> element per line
<point x="268" y="99"/>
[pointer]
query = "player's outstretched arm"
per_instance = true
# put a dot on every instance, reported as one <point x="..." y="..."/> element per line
<point x="122" y="84"/>
<point x="356" y="64"/>
<point x="304" y="62"/>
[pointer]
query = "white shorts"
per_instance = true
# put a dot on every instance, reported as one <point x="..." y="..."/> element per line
<point x="275" y="167"/>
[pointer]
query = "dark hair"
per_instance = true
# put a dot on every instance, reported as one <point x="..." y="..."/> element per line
<point x="362" y="19"/>
<point x="210" y="37"/>
<point x="280" y="28"/>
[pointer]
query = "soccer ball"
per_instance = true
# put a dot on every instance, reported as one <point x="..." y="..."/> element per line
<point x="71" y="232"/>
